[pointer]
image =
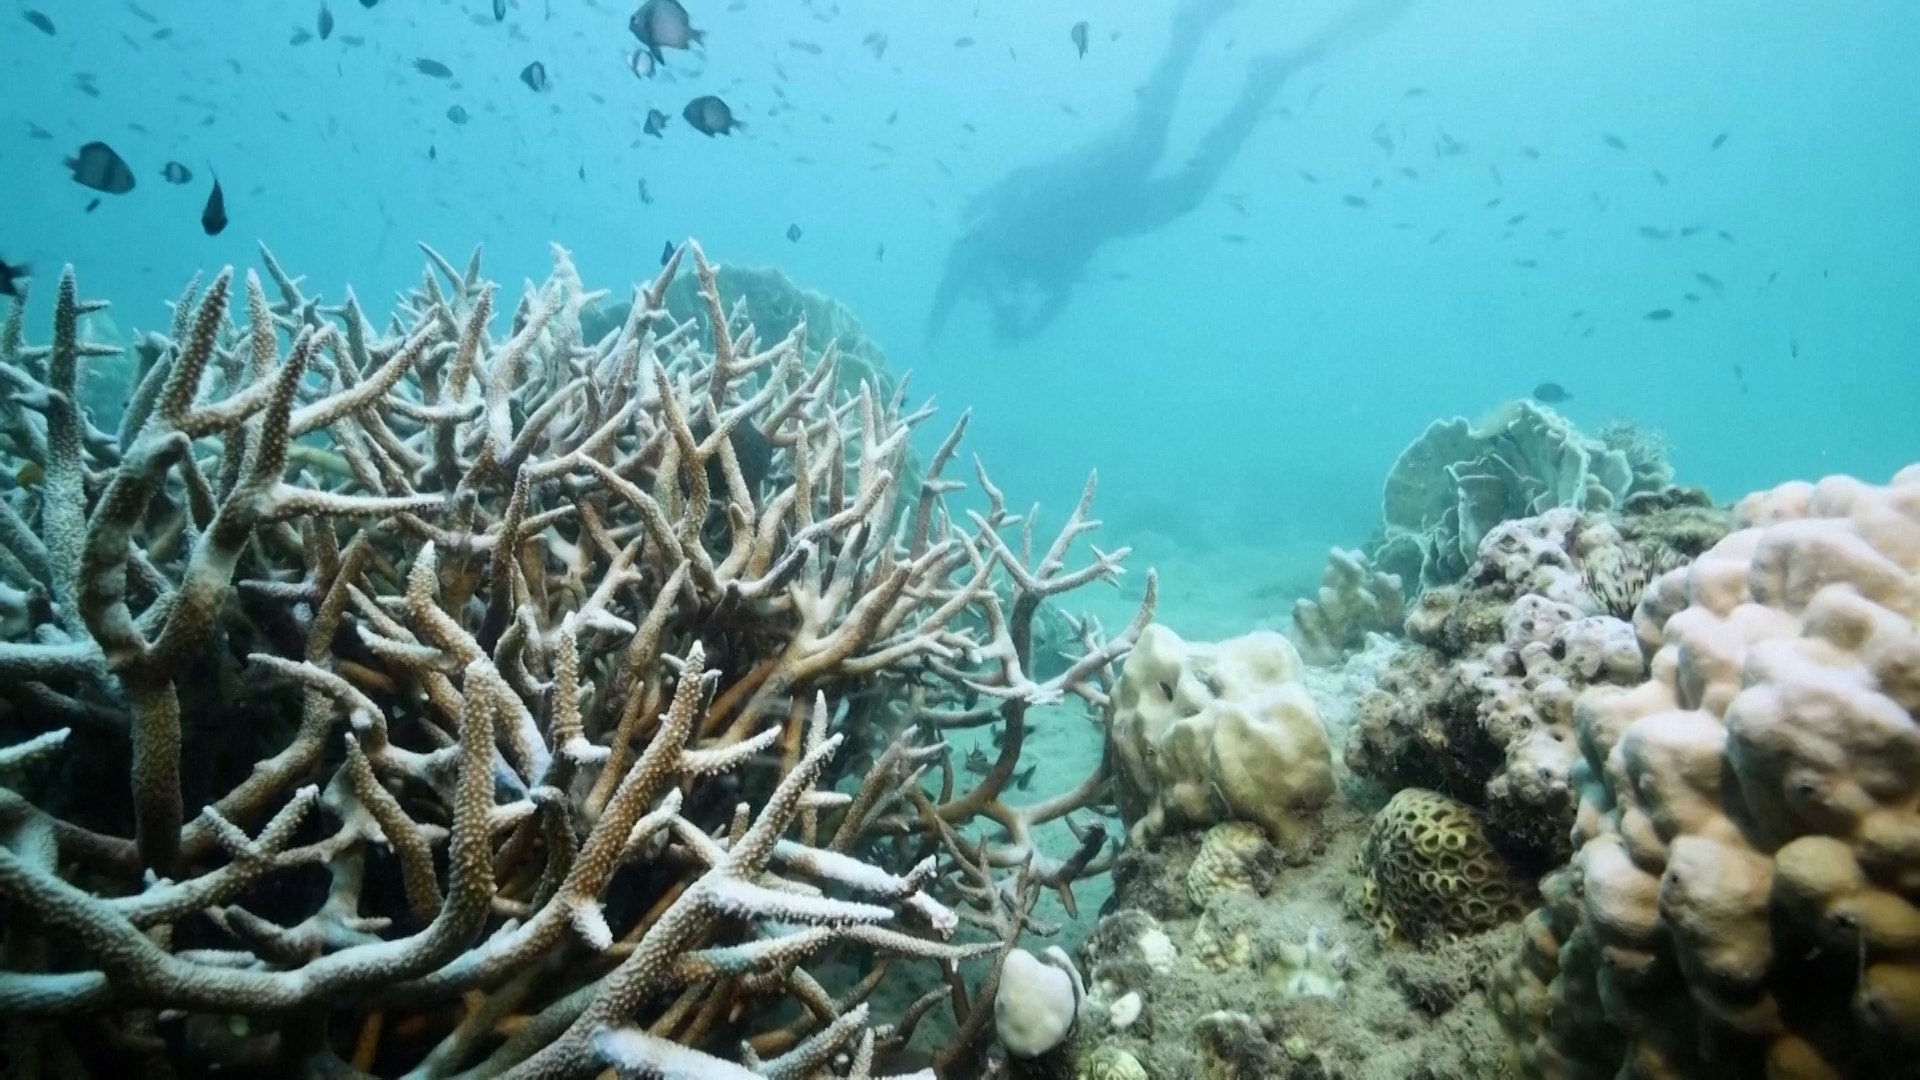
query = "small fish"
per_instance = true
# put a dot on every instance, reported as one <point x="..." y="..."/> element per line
<point x="664" y="24"/>
<point x="1725" y="235"/>
<point x="876" y="42"/>
<point x="1719" y="141"/>
<point x="1660" y="178"/>
<point x="98" y="167"/>
<point x="431" y="68"/>
<point x="1079" y="36"/>
<point x="880" y="253"/>
<point x="32" y="474"/>
<point x="1025" y="776"/>
<point x="499" y="10"/>
<point x="176" y="173"/>
<point x="978" y="762"/>
<point x="1614" y="141"/>
<point x="1690" y="230"/>
<point x="583" y="173"/>
<point x="1658" y="314"/>
<point x="1550" y="393"/>
<point x="963" y="43"/>
<point x="433" y="152"/>
<point x="11" y="274"/>
<point x="1709" y="281"/>
<point x="301" y="35"/>
<point x="646" y="197"/>
<point x="325" y="23"/>
<point x="666" y="254"/>
<point x="1515" y="220"/>
<point x="1654" y="232"/>
<point x="35" y="131"/>
<point x="535" y="76"/>
<point x="1530" y="152"/>
<point x="457" y="113"/>
<point x="1354" y="201"/>
<point x="40" y="21"/>
<point x="641" y="64"/>
<point x="1415" y="91"/>
<point x="710" y="116"/>
<point x="93" y="204"/>
<point x="656" y="122"/>
<point x="793" y="233"/>
<point x="808" y="47"/>
<point x="214" y="218"/>
<point x="368" y="3"/>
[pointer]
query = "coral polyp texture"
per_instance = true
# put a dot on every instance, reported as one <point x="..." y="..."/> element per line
<point x="401" y="697"/>
<point x="1429" y="873"/>
<point x="1743" y="899"/>
<point x="1212" y="732"/>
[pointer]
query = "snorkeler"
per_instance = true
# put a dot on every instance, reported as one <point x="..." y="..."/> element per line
<point x="1029" y="238"/>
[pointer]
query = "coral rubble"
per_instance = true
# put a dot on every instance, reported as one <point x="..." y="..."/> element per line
<point x="400" y="697"/>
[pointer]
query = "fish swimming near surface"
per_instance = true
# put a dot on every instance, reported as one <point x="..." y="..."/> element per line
<point x="664" y="24"/>
<point x="1079" y="36"/>
<point x="646" y="197"/>
<point x="40" y="21"/>
<point x="98" y="167"/>
<point x="1658" y="314"/>
<point x="1614" y="141"/>
<point x="656" y="123"/>
<point x="213" y="219"/>
<point x="431" y="68"/>
<point x="325" y="24"/>
<point x="11" y="274"/>
<point x="535" y="76"/>
<point x="499" y="10"/>
<point x="457" y="113"/>
<point x="1550" y="393"/>
<point x="710" y="116"/>
<point x="793" y="233"/>
<point x="176" y="173"/>
<point x="1719" y="141"/>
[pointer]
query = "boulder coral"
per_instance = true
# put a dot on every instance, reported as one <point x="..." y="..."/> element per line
<point x="1204" y="733"/>
<point x="1745" y="897"/>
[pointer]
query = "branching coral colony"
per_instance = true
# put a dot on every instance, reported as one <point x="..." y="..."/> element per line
<point x="487" y="708"/>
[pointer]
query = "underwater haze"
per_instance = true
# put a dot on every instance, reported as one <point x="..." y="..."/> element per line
<point x="1428" y="216"/>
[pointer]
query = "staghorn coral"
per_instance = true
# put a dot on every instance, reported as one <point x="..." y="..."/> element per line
<point x="1741" y="902"/>
<point x="1429" y="872"/>
<point x="1354" y="600"/>
<point x="1205" y="733"/>
<point x="542" y="671"/>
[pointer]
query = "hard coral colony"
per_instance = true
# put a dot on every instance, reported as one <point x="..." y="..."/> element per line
<point x="473" y="713"/>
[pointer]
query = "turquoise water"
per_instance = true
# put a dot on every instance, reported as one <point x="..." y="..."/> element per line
<point x="1261" y="386"/>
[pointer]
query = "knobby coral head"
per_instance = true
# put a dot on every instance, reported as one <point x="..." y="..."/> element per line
<point x="441" y="695"/>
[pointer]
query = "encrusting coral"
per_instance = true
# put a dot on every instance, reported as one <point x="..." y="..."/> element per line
<point x="1479" y="705"/>
<point x="1743" y="899"/>
<point x="601" y="726"/>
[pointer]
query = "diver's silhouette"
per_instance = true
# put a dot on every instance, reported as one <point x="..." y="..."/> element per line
<point x="1029" y="237"/>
